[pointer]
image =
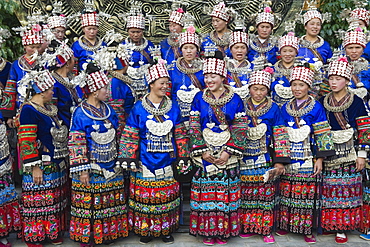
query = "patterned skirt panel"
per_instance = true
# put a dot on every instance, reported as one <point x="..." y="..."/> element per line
<point x="43" y="206"/>
<point x="10" y="218"/>
<point x="342" y="199"/>
<point x="98" y="211"/>
<point x="298" y="203"/>
<point x="257" y="202"/>
<point x="365" y="220"/>
<point x="214" y="204"/>
<point x="154" y="206"/>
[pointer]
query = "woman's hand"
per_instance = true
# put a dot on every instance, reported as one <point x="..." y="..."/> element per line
<point x="37" y="175"/>
<point x="224" y="157"/>
<point x="208" y="157"/>
<point x="85" y="178"/>
<point x="280" y="169"/>
<point x="360" y="164"/>
<point x="317" y="167"/>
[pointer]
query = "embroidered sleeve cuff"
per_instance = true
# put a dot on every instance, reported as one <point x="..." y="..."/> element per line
<point x="234" y="150"/>
<point x="281" y="142"/>
<point x="363" y="127"/>
<point x="323" y="136"/>
<point x="199" y="151"/>
<point x="362" y="154"/>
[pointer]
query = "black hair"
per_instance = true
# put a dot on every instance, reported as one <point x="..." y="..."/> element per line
<point x="217" y="54"/>
<point x="91" y="68"/>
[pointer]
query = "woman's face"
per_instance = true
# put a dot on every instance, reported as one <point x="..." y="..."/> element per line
<point x="136" y="34"/>
<point x="299" y="89"/>
<point x="214" y="82"/>
<point x="354" y="51"/>
<point x="361" y="23"/>
<point x="189" y="51"/>
<point x="337" y="83"/>
<point x="218" y="24"/>
<point x="239" y="51"/>
<point x="47" y="95"/>
<point x="174" y="27"/>
<point x="313" y="27"/>
<point x="70" y="64"/>
<point x="59" y="33"/>
<point x="264" y="30"/>
<point x="159" y="87"/>
<point x="31" y="49"/>
<point x="258" y="92"/>
<point x="288" y="54"/>
<point x="102" y="93"/>
<point x="90" y="32"/>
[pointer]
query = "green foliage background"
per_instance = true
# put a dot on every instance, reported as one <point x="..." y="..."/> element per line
<point x="12" y="48"/>
<point x="336" y="23"/>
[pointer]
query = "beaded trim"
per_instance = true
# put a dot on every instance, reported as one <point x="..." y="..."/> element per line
<point x="91" y="116"/>
<point x="360" y="65"/>
<point x="308" y="44"/>
<point x="138" y="47"/>
<point x="90" y="48"/>
<point x="121" y="77"/>
<point x="223" y="41"/>
<point x="154" y="111"/>
<point x="197" y="66"/>
<point x="220" y="101"/>
<point x="24" y="66"/>
<point x="230" y="65"/>
<point x="337" y="108"/>
<point x="43" y="110"/>
<point x="259" y="112"/>
<point x="62" y="80"/>
<point x="300" y="112"/>
<point x="280" y="69"/>
<point x="172" y="42"/>
<point x="260" y="49"/>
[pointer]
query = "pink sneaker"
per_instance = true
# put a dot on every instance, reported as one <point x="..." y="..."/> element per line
<point x="269" y="239"/>
<point x="221" y="241"/>
<point x="247" y="235"/>
<point x="281" y="232"/>
<point x="209" y="241"/>
<point x="310" y="240"/>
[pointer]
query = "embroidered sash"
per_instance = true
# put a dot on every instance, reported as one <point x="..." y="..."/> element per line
<point x="303" y="105"/>
<point x="339" y="115"/>
<point x="252" y="107"/>
<point x="176" y="51"/>
<point x="220" y="115"/>
<point x="147" y="56"/>
<point x="317" y="54"/>
<point x="192" y="76"/>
